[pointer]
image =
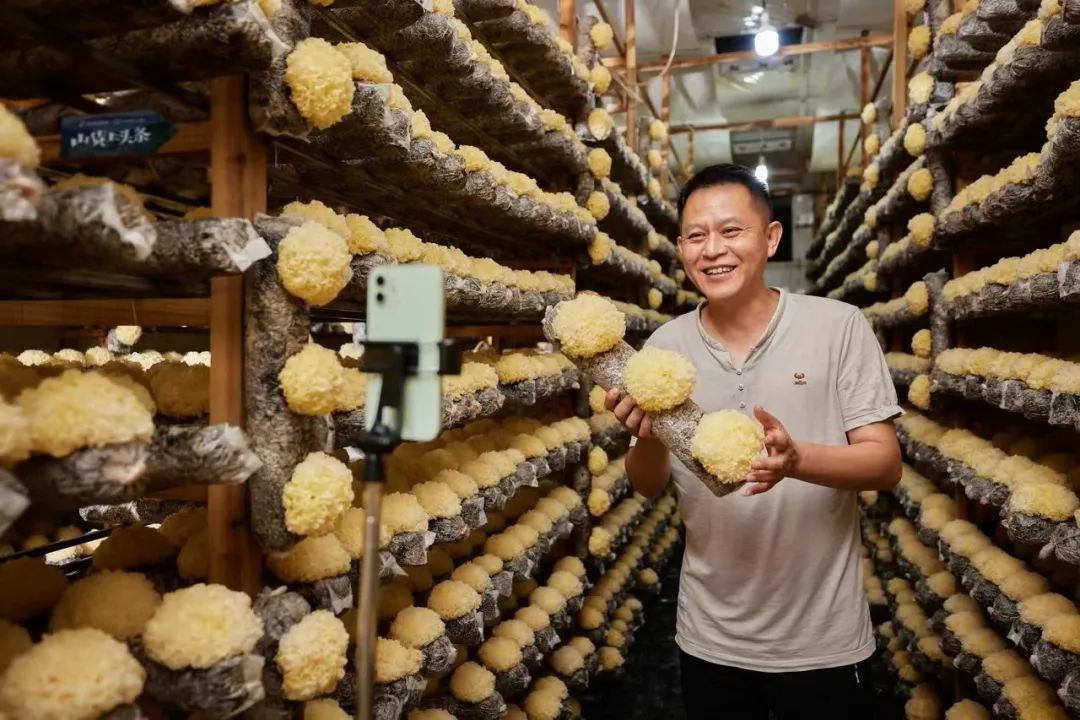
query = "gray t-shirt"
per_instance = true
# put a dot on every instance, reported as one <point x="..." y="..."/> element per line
<point x="773" y="582"/>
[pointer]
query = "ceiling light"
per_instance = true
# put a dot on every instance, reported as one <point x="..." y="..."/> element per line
<point x="761" y="172"/>
<point x="757" y="10"/>
<point x="767" y="40"/>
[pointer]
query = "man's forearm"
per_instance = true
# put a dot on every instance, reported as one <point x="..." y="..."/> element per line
<point x="648" y="466"/>
<point x="858" y="466"/>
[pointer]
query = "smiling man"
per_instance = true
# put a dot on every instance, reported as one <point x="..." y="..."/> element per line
<point x="772" y="617"/>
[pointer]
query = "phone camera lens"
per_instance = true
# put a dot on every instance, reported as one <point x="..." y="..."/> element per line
<point x="380" y="298"/>
<point x="380" y="281"/>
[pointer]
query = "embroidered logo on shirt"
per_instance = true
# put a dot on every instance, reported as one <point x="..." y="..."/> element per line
<point x="800" y="378"/>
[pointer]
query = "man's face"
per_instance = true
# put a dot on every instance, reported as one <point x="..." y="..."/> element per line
<point x="726" y="240"/>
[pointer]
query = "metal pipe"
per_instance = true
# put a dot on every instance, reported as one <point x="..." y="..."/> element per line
<point x="369" y="580"/>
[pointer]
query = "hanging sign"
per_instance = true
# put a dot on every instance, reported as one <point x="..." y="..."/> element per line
<point x="114" y="134"/>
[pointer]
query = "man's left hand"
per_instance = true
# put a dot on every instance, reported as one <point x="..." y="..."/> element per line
<point x="782" y="458"/>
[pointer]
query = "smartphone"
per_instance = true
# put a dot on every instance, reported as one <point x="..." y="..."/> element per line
<point x="406" y="303"/>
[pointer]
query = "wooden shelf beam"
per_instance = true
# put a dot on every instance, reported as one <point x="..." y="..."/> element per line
<point x="170" y="312"/>
<point x="523" y="333"/>
<point x="191" y="493"/>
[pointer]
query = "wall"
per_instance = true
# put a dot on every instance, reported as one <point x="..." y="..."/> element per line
<point x="790" y="275"/>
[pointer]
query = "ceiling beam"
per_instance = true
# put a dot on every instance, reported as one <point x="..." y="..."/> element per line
<point x="781" y="122"/>
<point x="691" y="63"/>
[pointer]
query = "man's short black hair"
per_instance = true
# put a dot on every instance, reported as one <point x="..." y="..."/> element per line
<point x="726" y="174"/>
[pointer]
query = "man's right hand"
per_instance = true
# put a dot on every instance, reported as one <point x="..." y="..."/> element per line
<point x="647" y="464"/>
<point x="629" y="414"/>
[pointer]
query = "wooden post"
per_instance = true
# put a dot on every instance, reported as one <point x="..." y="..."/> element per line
<point x="900" y="61"/>
<point x="690" y="153"/>
<point x="631" y="77"/>
<point x="841" y="170"/>
<point x="665" y="116"/>
<point x="864" y="94"/>
<point x="567" y="29"/>
<point x="238" y="187"/>
<point x="962" y="263"/>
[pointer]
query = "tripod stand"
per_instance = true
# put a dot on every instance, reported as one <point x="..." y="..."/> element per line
<point x="394" y="361"/>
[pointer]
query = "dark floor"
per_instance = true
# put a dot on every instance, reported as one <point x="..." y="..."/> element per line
<point x="649" y="689"/>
